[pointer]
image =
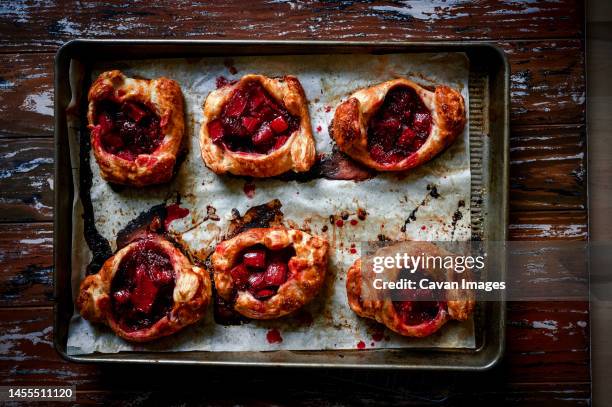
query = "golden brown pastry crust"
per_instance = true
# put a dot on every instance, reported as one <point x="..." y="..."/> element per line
<point x="298" y="152"/>
<point x="374" y="305"/>
<point x="164" y="97"/>
<point x="307" y="271"/>
<point x="349" y="127"/>
<point x="192" y="294"/>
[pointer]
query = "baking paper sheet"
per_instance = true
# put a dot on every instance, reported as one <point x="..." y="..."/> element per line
<point x="389" y="199"/>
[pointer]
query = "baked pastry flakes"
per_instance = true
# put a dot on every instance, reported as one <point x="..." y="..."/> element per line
<point x="398" y="125"/>
<point x="136" y="127"/>
<point x="269" y="272"/>
<point x="418" y="314"/>
<point x="147" y="290"/>
<point x="258" y="127"/>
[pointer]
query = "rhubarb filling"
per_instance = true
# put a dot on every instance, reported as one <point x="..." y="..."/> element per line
<point x="414" y="313"/>
<point x="252" y="121"/>
<point x="399" y="127"/>
<point x="142" y="288"/>
<point x="262" y="271"/>
<point x="127" y="129"/>
<point x="419" y="306"/>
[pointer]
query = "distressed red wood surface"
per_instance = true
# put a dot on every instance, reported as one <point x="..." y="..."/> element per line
<point x="548" y="168"/>
<point x="557" y="225"/>
<point x="44" y="26"/>
<point x="547" y="82"/>
<point x="567" y="394"/>
<point x="26" y="180"/>
<point x="547" y="357"/>
<point x="26" y="94"/>
<point x="27" y="264"/>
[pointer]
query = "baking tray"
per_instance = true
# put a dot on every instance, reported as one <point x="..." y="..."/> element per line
<point x="489" y="129"/>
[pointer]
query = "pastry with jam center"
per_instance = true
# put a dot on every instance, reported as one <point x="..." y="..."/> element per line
<point x="258" y="126"/>
<point x="265" y="273"/>
<point x="136" y="128"/>
<point x="398" y="125"/>
<point x="415" y="312"/>
<point x="147" y="290"/>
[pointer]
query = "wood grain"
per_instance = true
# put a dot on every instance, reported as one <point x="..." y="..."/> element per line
<point x="46" y="25"/>
<point x="26" y="180"/>
<point x="547" y="82"/>
<point x="28" y="354"/>
<point x="526" y="395"/>
<point x="26" y="95"/>
<point x="564" y="394"/>
<point x="548" y="168"/>
<point x="553" y="225"/>
<point x="548" y="341"/>
<point x="27" y="264"/>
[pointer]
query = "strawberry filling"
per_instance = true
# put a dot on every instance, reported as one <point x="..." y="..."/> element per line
<point x="399" y="127"/>
<point x="127" y="129"/>
<point x="261" y="271"/>
<point x="252" y="121"/>
<point x="141" y="290"/>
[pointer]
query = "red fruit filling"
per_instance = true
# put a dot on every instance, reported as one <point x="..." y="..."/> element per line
<point x="420" y="305"/>
<point x="417" y="312"/>
<point x="174" y="212"/>
<point x="252" y="121"/>
<point x="400" y="126"/>
<point x="262" y="271"/>
<point x="141" y="290"/>
<point x="127" y="129"/>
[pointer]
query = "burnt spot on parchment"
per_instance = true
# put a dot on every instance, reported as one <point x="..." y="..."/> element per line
<point x="432" y="193"/>
<point x="260" y="216"/>
<point x="98" y="245"/>
<point x="333" y="166"/>
<point x="149" y="221"/>
<point x="211" y="213"/>
<point x="229" y="64"/>
<point x="457" y="216"/>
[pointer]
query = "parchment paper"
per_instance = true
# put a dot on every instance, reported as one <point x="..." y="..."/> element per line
<point x="389" y="199"/>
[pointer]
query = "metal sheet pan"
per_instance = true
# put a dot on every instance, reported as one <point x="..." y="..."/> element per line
<point x="489" y="106"/>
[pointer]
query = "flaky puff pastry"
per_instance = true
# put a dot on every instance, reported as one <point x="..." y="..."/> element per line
<point x="349" y="127"/>
<point x="164" y="97"/>
<point x="369" y="302"/>
<point x="307" y="270"/>
<point x="191" y="295"/>
<point x="298" y="152"/>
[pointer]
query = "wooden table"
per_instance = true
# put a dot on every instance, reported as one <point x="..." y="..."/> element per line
<point x="547" y="357"/>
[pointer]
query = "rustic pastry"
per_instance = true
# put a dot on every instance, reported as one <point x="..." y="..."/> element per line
<point x="269" y="272"/>
<point x="258" y="126"/>
<point x="415" y="314"/>
<point x="136" y="126"/>
<point x="398" y="125"/>
<point x="147" y="290"/>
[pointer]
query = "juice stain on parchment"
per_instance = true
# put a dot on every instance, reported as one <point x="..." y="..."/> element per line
<point x="431" y="194"/>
